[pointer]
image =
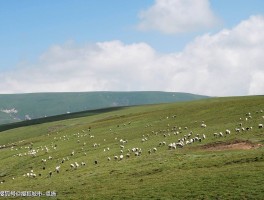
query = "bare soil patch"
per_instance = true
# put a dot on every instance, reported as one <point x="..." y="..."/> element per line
<point x="231" y="145"/>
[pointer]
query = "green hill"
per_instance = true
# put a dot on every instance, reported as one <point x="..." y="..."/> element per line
<point x="19" y="107"/>
<point x="210" y="167"/>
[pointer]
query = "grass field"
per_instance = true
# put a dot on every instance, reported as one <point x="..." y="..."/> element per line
<point x="228" y="167"/>
<point x="39" y="105"/>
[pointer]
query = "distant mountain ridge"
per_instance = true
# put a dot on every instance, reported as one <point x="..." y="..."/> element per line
<point x="19" y="107"/>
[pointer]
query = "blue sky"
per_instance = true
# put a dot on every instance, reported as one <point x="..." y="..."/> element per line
<point x="30" y="30"/>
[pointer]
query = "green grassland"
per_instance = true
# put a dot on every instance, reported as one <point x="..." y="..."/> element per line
<point x="209" y="169"/>
<point x="39" y="105"/>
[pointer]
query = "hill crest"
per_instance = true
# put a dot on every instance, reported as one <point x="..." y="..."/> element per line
<point x="20" y="107"/>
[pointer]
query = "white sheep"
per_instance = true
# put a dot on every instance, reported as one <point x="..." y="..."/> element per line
<point x="179" y="144"/>
<point x="57" y="169"/>
<point x="72" y="166"/>
<point x="249" y="128"/>
<point x="72" y="153"/>
<point x="76" y="165"/>
<point x="136" y="153"/>
<point x="260" y="125"/>
<point x="203" y="125"/>
<point x="216" y="134"/>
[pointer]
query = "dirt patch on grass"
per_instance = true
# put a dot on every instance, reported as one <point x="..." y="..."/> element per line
<point x="231" y="145"/>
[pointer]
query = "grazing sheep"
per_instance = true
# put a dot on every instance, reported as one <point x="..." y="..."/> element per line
<point x="228" y="132"/>
<point x="174" y="146"/>
<point x="72" y="166"/>
<point x="72" y="153"/>
<point x="134" y="149"/>
<point x="179" y="144"/>
<point x="154" y="149"/>
<point x="122" y="141"/>
<point x="203" y="125"/>
<point x="83" y="163"/>
<point x="76" y="165"/>
<point x="121" y="157"/>
<point x="108" y="158"/>
<point x="260" y="125"/>
<point x="249" y="128"/>
<point x="57" y="169"/>
<point x="115" y="157"/>
<point x="50" y="173"/>
<point x="149" y="151"/>
<point x="190" y="134"/>
<point x="63" y="160"/>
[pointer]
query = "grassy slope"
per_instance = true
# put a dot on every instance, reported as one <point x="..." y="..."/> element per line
<point x="188" y="173"/>
<point x="48" y="104"/>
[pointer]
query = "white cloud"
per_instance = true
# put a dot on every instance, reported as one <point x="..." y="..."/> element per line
<point x="178" y="16"/>
<point x="227" y="63"/>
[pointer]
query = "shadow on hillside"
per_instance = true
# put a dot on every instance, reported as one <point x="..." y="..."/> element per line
<point x="59" y="118"/>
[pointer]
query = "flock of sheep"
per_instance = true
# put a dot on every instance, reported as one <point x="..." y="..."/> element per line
<point x="172" y="137"/>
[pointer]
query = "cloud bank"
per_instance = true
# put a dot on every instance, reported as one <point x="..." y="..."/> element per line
<point x="178" y="16"/>
<point x="227" y="63"/>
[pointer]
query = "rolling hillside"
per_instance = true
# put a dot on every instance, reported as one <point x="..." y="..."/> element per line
<point x="129" y="153"/>
<point x="19" y="107"/>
